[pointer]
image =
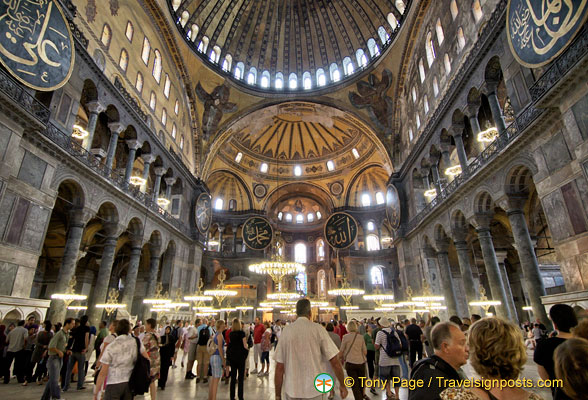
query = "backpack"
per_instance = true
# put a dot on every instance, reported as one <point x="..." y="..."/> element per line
<point x="203" y="336"/>
<point x="211" y="347"/>
<point x="141" y="375"/>
<point x="403" y="341"/>
<point x="393" y="346"/>
<point x="250" y="340"/>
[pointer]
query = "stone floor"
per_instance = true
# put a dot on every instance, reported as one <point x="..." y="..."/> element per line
<point x="261" y="388"/>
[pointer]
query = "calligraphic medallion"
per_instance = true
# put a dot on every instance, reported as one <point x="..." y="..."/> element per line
<point x="539" y="30"/>
<point x="203" y="212"/>
<point x="36" y="45"/>
<point x="393" y="206"/>
<point x="340" y="230"/>
<point x="257" y="233"/>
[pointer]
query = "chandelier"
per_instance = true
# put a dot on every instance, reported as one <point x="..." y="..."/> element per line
<point x="159" y="298"/>
<point x="112" y="303"/>
<point x="220" y="293"/>
<point x="378" y="297"/>
<point x="431" y="192"/>
<point x="484" y="302"/>
<point x="276" y="267"/>
<point x="79" y="132"/>
<point x="177" y="303"/>
<point x="453" y="171"/>
<point x="136" y="180"/>
<point x="69" y="296"/>
<point x="346" y="292"/>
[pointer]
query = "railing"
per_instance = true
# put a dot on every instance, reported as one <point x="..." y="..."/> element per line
<point x="226" y="213"/>
<point x="372" y="253"/>
<point x="18" y="94"/>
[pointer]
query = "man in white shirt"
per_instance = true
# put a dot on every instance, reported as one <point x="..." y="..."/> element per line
<point x="389" y="367"/>
<point x="303" y="352"/>
<point x="16" y="341"/>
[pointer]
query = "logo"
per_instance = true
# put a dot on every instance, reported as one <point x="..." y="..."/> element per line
<point x="323" y="383"/>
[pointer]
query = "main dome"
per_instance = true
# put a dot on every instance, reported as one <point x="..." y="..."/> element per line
<point x="288" y="45"/>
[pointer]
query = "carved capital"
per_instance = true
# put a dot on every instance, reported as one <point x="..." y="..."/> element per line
<point x="148" y="158"/>
<point x="471" y="110"/>
<point x="429" y="252"/>
<point x="481" y="221"/>
<point x="490" y="87"/>
<point x="511" y="203"/>
<point x="160" y="171"/>
<point x="134" y="144"/>
<point x="170" y="181"/>
<point x="442" y="245"/>
<point x="501" y="256"/>
<point x="116" y="127"/>
<point x="459" y="235"/>
<point x="95" y="107"/>
<point x="457" y="129"/>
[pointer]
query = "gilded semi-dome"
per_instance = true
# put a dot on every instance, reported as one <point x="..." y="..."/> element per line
<point x="292" y="45"/>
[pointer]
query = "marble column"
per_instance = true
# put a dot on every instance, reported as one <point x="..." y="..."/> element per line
<point x="104" y="272"/>
<point x="446" y="277"/>
<point x="132" y="272"/>
<point x="234" y="240"/>
<point x="457" y="133"/>
<point x="498" y="292"/>
<point x="513" y="205"/>
<point x="95" y="108"/>
<point x="159" y="172"/>
<point x="115" y="129"/>
<point x="463" y="257"/>
<point x="152" y="282"/>
<point x="436" y="178"/>
<point x="221" y="228"/>
<point x="495" y="107"/>
<point x="77" y="222"/>
<point x="133" y="146"/>
<point x="472" y="114"/>
<point x="501" y="257"/>
<point x="445" y="156"/>
<point x="147" y="160"/>
<point x="169" y="182"/>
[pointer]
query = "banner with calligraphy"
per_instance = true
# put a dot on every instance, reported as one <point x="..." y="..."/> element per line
<point x="36" y="45"/>
<point x="340" y="230"/>
<point x="393" y="206"/>
<point x="539" y="30"/>
<point x="257" y="233"/>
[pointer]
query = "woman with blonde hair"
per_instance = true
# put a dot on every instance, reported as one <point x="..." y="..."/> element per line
<point x="571" y="366"/>
<point x="497" y="352"/>
<point x="237" y="352"/>
<point x="217" y="359"/>
<point x="353" y="353"/>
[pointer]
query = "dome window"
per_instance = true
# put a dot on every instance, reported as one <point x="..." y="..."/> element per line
<point x="334" y="71"/>
<point x="321" y="79"/>
<point x="297" y="170"/>
<point x="265" y="79"/>
<point x="331" y="165"/>
<point x="384" y="37"/>
<point x="348" y="66"/>
<point x="280" y="215"/>
<point x="361" y="58"/>
<point x="318" y="215"/>
<point x="355" y="153"/>
<point x="146" y="51"/>
<point x="263" y="168"/>
<point x="310" y="217"/>
<point x="306" y="81"/>
<point x="373" y="48"/>
<point x="366" y="200"/>
<point x="379" y="198"/>
<point x="227" y="63"/>
<point x="279" y="82"/>
<point x="293" y="81"/>
<point x="238" y="157"/>
<point x="288" y="217"/>
<point x="371" y="226"/>
<point x="299" y="218"/>
<point x="252" y="76"/>
<point x="218" y="204"/>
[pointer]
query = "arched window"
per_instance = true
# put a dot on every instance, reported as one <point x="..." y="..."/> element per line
<point x="263" y="167"/>
<point x="227" y="63"/>
<point x="355" y="153"/>
<point x="410" y="135"/>
<point x="430" y="50"/>
<point x="310" y="217"/>
<point x="447" y="63"/>
<point x="252" y="76"/>
<point x="373" y="243"/>
<point x="146" y="51"/>
<point x="377" y="275"/>
<point x="306" y="80"/>
<point x="421" y="70"/>
<point x="163" y="116"/>
<point x="371" y="226"/>
<point x="292" y="81"/>
<point x="373" y="48"/>
<point x="279" y="82"/>
<point x="238" y="157"/>
<point x="193" y="32"/>
<point x="413" y="94"/>
<point x="318" y="215"/>
<point x="392" y="21"/>
<point x="435" y="87"/>
<point x="384" y="37"/>
<point x="379" y="198"/>
<point x="348" y="66"/>
<point x="301" y="282"/>
<point x="330" y="165"/>
<point x="280" y="215"/>
<point x="288" y="217"/>
<point x="218" y="204"/>
<point x="300" y="253"/>
<point x="299" y="219"/>
<point x="176" y="4"/>
<point x="418" y="121"/>
<point x="174" y="131"/>
<point x="477" y="10"/>
<point x="166" y="86"/>
<point x="439" y="30"/>
<point x="321" y="79"/>
<point x="177" y="107"/>
<point x="239" y="70"/>
<point x="123" y="61"/>
<point x="152" y="101"/>
<point x="232" y="205"/>
<point x="334" y="72"/>
<point x="139" y="82"/>
<point x="157" y="66"/>
<point x="453" y="8"/>
<point x="322" y="284"/>
<point x="129" y="31"/>
<point x="215" y="54"/>
<point x="203" y="45"/>
<point x="400" y="6"/>
<point x="366" y="200"/>
<point x="320" y="250"/>
<point x="426" y="104"/>
<point x="182" y="142"/>
<point x="265" y="79"/>
<point x="184" y="18"/>
<point x="106" y="35"/>
<point x="361" y="58"/>
<point x="460" y="39"/>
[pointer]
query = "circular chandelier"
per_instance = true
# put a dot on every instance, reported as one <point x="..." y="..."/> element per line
<point x="159" y="297"/>
<point x="220" y="293"/>
<point x="69" y="296"/>
<point x="112" y="303"/>
<point x="277" y="269"/>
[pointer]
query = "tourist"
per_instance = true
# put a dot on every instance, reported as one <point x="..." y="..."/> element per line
<point x="28" y="365"/>
<point x="450" y="354"/>
<point x="399" y="327"/>
<point x="151" y="343"/>
<point x="56" y="351"/>
<point x="456" y="320"/>
<point x="415" y="337"/>
<point x="475" y="317"/>
<point x="77" y="353"/>
<point x="117" y="361"/>
<point x="105" y="343"/>
<point x="427" y="333"/>
<point x="257" y="334"/>
<point x="334" y="337"/>
<point x="237" y="351"/>
<point x="466" y="323"/>
<point x="571" y="366"/>
<point x="39" y="357"/>
<point x="203" y="333"/>
<point x="91" y="345"/>
<point x="100" y="336"/>
<point x="167" y="349"/>
<point x="178" y="333"/>
<point x="2" y="351"/>
<point x="16" y="341"/>
<point x="371" y="354"/>
<point x="353" y="355"/>
<point x="581" y="330"/>
<point x="342" y="330"/>
<point x="185" y="345"/>
<point x="497" y="353"/>
<point x="564" y="319"/>
<point x="301" y="355"/>
<point x="265" y="346"/>
<point x="217" y="360"/>
<point x="375" y="331"/>
<point x="388" y="364"/>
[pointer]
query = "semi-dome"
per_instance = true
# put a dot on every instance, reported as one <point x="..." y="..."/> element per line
<point x="291" y="45"/>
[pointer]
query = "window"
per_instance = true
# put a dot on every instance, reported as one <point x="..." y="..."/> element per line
<point x="400" y="6"/>
<point x="379" y="198"/>
<point x="392" y="21"/>
<point x="377" y="275"/>
<point x="166" y="86"/>
<point x="227" y="63"/>
<point x="163" y="117"/>
<point x="184" y="18"/>
<point x="453" y="8"/>
<point x="265" y="79"/>
<point x="182" y="143"/>
<point x="279" y="82"/>
<point x="439" y="30"/>
<point x="421" y="70"/>
<point x="366" y="200"/>
<point x="139" y="82"/>
<point x="477" y="10"/>
<point x="301" y="282"/>
<point x="310" y="217"/>
<point x="288" y="217"/>
<point x="331" y="165"/>
<point x="347" y="66"/>
<point x="232" y="205"/>
<point x="252" y="76"/>
<point x="318" y="215"/>
<point x="334" y="71"/>
<point x="426" y="105"/>
<point x="435" y="87"/>
<point x="280" y="215"/>
<point x="146" y="51"/>
<point x="320" y="251"/>
<point x="263" y="167"/>
<point x="306" y="81"/>
<point x="460" y="39"/>
<point x="293" y="81"/>
<point x="300" y="253"/>
<point x="106" y="35"/>
<point x="410" y="135"/>
<point x="373" y="243"/>
<point x="447" y="62"/>
<point x="418" y="121"/>
<point x="123" y="62"/>
<point x="297" y="170"/>
<point x="203" y="45"/>
<point x="322" y="283"/>
<point x="193" y="32"/>
<point x="218" y="204"/>
<point x="238" y="157"/>
<point x="384" y="37"/>
<point x="321" y="79"/>
<point x="129" y="31"/>
<point x="157" y="66"/>
<point x="373" y="48"/>
<point x="177" y="107"/>
<point x="299" y="218"/>
<point x="174" y="131"/>
<point x="153" y="101"/>
<point x="355" y="153"/>
<point x="371" y="226"/>
<point x="430" y="51"/>
<point x="413" y="93"/>
<point x="215" y="54"/>
<point x="361" y="58"/>
<point x="239" y="70"/>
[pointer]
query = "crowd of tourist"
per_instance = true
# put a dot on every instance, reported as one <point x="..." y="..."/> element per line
<point x="433" y="352"/>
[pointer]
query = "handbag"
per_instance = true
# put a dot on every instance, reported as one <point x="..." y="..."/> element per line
<point x="141" y="375"/>
<point x="349" y="349"/>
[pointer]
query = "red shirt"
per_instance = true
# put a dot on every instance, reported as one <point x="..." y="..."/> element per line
<point x="227" y="333"/>
<point x="342" y="331"/>
<point x="258" y="333"/>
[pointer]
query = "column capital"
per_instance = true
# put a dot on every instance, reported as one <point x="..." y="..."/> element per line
<point x="160" y="171"/>
<point x="116" y="127"/>
<point x="481" y="221"/>
<point x="95" y="107"/>
<point x="112" y="229"/>
<point x="456" y="129"/>
<point x="512" y="204"/>
<point x="501" y="256"/>
<point x="442" y="245"/>
<point x="490" y="87"/>
<point x="148" y="158"/>
<point x="170" y="181"/>
<point x="472" y="108"/>
<point x="429" y="252"/>
<point x="79" y="217"/>
<point x="424" y="172"/>
<point x="459" y="235"/>
<point x="134" y="144"/>
<point x="99" y="153"/>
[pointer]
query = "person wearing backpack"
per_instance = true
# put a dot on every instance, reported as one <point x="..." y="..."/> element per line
<point x="204" y="334"/>
<point x="390" y="346"/>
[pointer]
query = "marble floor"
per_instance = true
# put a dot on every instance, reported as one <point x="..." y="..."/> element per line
<point x="261" y="388"/>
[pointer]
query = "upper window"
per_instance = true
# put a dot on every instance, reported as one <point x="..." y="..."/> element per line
<point x="392" y="21"/>
<point x="418" y="121"/>
<point x="361" y="58"/>
<point x="410" y="135"/>
<point x="232" y="205"/>
<point x="123" y="61"/>
<point x="447" y="63"/>
<point x="477" y="10"/>
<point x="334" y="71"/>
<point x="157" y="66"/>
<point x="348" y="66"/>
<point x="331" y="165"/>
<point x="435" y="87"/>
<point x="421" y="70"/>
<point x="310" y="217"/>
<point x="215" y="54"/>
<point x="203" y="45"/>
<point x="373" y="48"/>
<point x="355" y="153"/>
<point x="299" y="218"/>
<point x="460" y="39"/>
<point x="377" y="275"/>
<point x="366" y="200"/>
<point x="300" y="253"/>
<point x="239" y="70"/>
<point x="227" y="63"/>
<point x="263" y="168"/>
<point x="318" y="215"/>
<point x="193" y="32"/>
<point x="453" y="9"/>
<point x="152" y="101"/>
<point x="430" y="50"/>
<point x="177" y="107"/>
<point x="373" y="243"/>
<point x="146" y="51"/>
<point x="413" y="93"/>
<point x="139" y="82"/>
<point x="379" y="198"/>
<point x="320" y="250"/>
<point x="301" y="282"/>
<point x="106" y="35"/>
<point x="293" y="81"/>
<point x="425" y="104"/>
<point x="238" y="157"/>
<point x="182" y="143"/>
<point x="166" y="86"/>
<point x="252" y="76"/>
<point x="370" y="225"/>
<point x="297" y="170"/>
<point x="321" y="79"/>
<point x="279" y="82"/>
<point x="265" y="79"/>
<point x="384" y="37"/>
<point x="322" y="283"/>
<point x="400" y="6"/>
<point x="306" y="80"/>
<point x="439" y="30"/>
<point x="163" y="117"/>
<point x="129" y="31"/>
<point x="174" y="130"/>
<point x="218" y="204"/>
<point x="288" y="217"/>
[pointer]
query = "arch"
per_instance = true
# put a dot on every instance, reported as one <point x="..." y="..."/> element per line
<point x="292" y="81"/>
<point x="215" y="54"/>
<point x="384" y="36"/>
<point x="334" y="72"/>
<point x="361" y="58"/>
<point x="135" y="227"/>
<point x="400" y="6"/>
<point x="139" y="82"/>
<point x="228" y="185"/>
<point x="518" y="180"/>
<point x="440" y="233"/>
<point x="155" y="241"/>
<point x="458" y="220"/>
<point x="146" y="51"/>
<point x="264" y="82"/>
<point x="483" y="202"/>
<point x="108" y="212"/>
<point x="372" y="242"/>
<point x="123" y="61"/>
<point x="377" y="275"/>
<point x="71" y="192"/>
<point x="193" y="32"/>
<point x="373" y="47"/>
<point x="348" y="68"/>
<point x="252" y="76"/>
<point x="239" y="70"/>
<point x="157" y="66"/>
<point x="321" y="78"/>
<point x="279" y="81"/>
<point x="227" y="63"/>
<point x="306" y="80"/>
<point x="371" y="179"/>
<point x="493" y="70"/>
<point x="184" y="18"/>
<point x="106" y="36"/>
<point x="203" y="45"/>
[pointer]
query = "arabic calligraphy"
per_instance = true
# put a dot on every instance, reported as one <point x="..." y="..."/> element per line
<point x="340" y="230"/>
<point x="257" y="233"/>
<point x="203" y="212"/>
<point x="393" y="206"/>
<point x="36" y="45"/>
<point x="539" y="30"/>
